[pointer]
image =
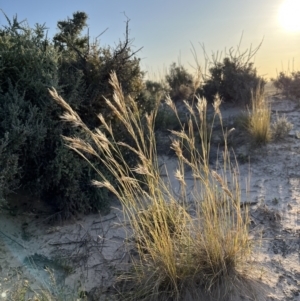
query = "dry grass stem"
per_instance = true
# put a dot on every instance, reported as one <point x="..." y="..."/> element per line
<point x="185" y="247"/>
<point x="259" y="118"/>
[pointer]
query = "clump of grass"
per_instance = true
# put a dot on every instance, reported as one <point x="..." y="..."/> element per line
<point x="186" y="247"/>
<point x="281" y="127"/>
<point x="174" y="217"/>
<point x="259" y="118"/>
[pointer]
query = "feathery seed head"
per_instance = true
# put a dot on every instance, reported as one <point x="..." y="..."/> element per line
<point x="216" y="104"/>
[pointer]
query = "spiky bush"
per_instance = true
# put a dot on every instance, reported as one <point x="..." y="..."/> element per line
<point x="288" y="84"/>
<point x="30" y="128"/>
<point x="233" y="79"/>
<point x="281" y="127"/>
<point x="86" y="65"/>
<point x="155" y="87"/>
<point x="180" y="83"/>
<point x="93" y="64"/>
<point x="26" y="69"/>
<point x="208" y="248"/>
<point x="9" y="175"/>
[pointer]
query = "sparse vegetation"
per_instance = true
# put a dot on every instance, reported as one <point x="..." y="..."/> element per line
<point x="207" y="251"/>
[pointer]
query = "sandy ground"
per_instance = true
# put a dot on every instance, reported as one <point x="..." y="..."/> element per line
<point x="86" y="253"/>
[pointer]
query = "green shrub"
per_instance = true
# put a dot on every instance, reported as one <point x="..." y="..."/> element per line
<point x="180" y="82"/>
<point x="25" y="69"/>
<point x="166" y="119"/>
<point x="233" y="79"/>
<point x="154" y="87"/>
<point x="289" y="85"/>
<point x="84" y="74"/>
<point x="91" y="64"/>
<point x="9" y="170"/>
<point x="30" y="129"/>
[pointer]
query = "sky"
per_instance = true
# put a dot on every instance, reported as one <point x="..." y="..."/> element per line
<point x="168" y="30"/>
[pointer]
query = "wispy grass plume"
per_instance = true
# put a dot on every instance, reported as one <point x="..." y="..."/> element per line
<point x="186" y="247"/>
<point x="259" y="118"/>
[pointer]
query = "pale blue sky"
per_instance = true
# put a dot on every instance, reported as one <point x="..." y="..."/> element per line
<point x="166" y="28"/>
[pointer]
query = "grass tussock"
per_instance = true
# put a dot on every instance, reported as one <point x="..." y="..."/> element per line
<point x="259" y="118"/>
<point x="281" y="127"/>
<point x="188" y="245"/>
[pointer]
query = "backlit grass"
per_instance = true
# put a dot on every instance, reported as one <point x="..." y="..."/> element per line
<point x="259" y="118"/>
<point x="189" y="246"/>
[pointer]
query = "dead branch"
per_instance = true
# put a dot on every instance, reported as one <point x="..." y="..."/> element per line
<point x="13" y="240"/>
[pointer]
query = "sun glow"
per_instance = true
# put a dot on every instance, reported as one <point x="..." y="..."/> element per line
<point x="289" y="13"/>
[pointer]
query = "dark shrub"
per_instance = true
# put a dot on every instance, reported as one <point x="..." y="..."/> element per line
<point x="9" y="170"/>
<point x="30" y="127"/>
<point x="234" y="79"/>
<point x="180" y="82"/>
<point x="32" y="152"/>
<point x="289" y="85"/>
<point x="154" y="87"/>
<point x="93" y="64"/>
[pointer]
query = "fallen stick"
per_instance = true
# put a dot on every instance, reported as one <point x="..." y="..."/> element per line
<point x="12" y="239"/>
<point x="103" y="221"/>
<point x="65" y="243"/>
